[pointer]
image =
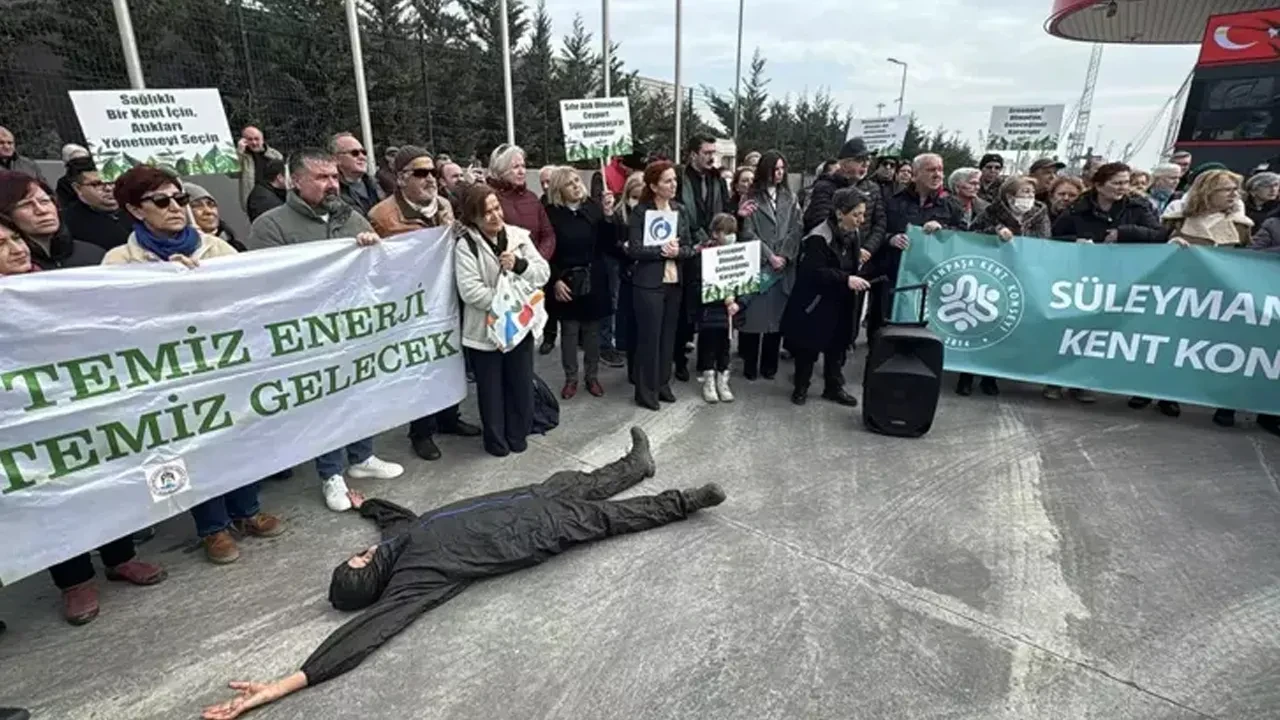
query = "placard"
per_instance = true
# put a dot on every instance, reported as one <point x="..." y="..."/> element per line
<point x="883" y="135"/>
<point x="730" y="271"/>
<point x="1036" y="128"/>
<point x="660" y="226"/>
<point x="596" y="128"/>
<point x="183" y="131"/>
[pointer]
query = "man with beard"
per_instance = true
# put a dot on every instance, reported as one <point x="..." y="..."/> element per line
<point x="93" y="215"/>
<point x="254" y="156"/>
<point x="426" y="560"/>
<point x="702" y="191"/>
<point x="314" y="211"/>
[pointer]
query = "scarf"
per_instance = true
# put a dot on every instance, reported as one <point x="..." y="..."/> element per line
<point x="184" y="243"/>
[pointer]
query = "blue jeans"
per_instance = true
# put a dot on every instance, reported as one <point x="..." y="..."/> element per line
<point x="331" y="463"/>
<point x="607" y="331"/>
<point x="214" y="516"/>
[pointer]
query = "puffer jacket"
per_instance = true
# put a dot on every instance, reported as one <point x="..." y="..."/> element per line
<point x="523" y="209"/>
<point x="476" y="270"/>
<point x="1133" y="219"/>
<point x="1035" y="223"/>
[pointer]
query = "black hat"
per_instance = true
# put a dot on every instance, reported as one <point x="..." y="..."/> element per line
<point x="991" y="158"/>
<point x="78" y="165"/>
<point x="887" y="160"/>
<point x="854" y="148"/>
<point x="1046" y="162"/>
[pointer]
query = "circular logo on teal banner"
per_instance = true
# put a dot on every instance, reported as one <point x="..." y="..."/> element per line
<point x="974" y="302"/>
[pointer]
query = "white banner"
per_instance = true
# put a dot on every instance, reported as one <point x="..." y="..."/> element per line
<point x="596" y="128"/>
<point x="883" y="135"/>
<point x="131" y="393"/>
<point x="184" y="131"/>
<point x="730" y="270"/>
<point x="1036" y="128"/>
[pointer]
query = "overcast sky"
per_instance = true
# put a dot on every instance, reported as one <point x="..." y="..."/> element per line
<point x="964" y="57"/>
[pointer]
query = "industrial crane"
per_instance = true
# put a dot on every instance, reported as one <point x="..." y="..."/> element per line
<point x="1077" y="138"/>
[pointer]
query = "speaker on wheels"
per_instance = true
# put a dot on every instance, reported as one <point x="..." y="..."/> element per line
<point x="903" y="376"/>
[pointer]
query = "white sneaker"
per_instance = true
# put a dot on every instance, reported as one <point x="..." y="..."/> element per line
<point x="722" y="387"/>
<point x="335" y="494"/>
<point x="709" y="387"/>
<point x="375" y="469"/>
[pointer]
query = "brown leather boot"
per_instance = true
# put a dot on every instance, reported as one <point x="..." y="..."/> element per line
<point x="221" y="548"/>
<point x="80" y="603"/>
<point x="136" y="572"/>
<point x="262" y="525"/>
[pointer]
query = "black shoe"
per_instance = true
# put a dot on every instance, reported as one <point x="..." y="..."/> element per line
<point x="799" y="397"/>
<point x="1169" y="408"/>
<point x="648" y="405"/>
<point x="461" y="428"/>
<point x="519" y="447"/>
<point x="665" y="395"/>
<point x="548" y="344"/>
<point x="840" y="397"/>
<point x="3" y="627"/>
<point x="425" y="448"/>
<point x="708" y="495"/>
<point x="1224" y="418"/>
<point x="750" y="374"/>
<point x="612" y="358"/>
<point x="1270" y="423"/>
<point x="471" y="377"/>
<point x="988" y="386"/>
<point x="1139" y="403"/>
<point x="140" y="537"/>
<point x="497" y="451"/>
<point x="769" y="375"/>
<point x="964" y="387"/>
<point x="14" y="714"/>
<point x="641" y="453"/>
<point x="682" y="374"/>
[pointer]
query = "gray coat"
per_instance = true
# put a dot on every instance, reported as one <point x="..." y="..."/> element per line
<point x="24" y="164"/>
<point x="778" y="228"/>
<point x="296" y="222"/>
<point x="1268" y="236"/>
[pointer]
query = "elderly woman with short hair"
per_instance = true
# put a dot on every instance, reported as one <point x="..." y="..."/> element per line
<point x="523" y="209"/>
<point x="1262" y="197"/>
<point x="964" y="185"/>
<point x="1164" y="183"/>
<point x="1064" y="191"/>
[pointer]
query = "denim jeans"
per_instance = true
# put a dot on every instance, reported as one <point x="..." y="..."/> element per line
<point x="214" y="516"/>
<point x="612" y="269"/>
<point x="332" y="463"/>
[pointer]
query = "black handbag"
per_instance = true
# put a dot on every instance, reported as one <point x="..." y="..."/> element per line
<point x="579" y="281"/>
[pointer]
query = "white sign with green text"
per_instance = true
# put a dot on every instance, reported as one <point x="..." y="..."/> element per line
<point x="596" y="128"/>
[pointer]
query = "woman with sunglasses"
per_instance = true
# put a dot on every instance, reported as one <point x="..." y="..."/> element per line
<point x="30" y="204"/>
<point x="163" y="232"/>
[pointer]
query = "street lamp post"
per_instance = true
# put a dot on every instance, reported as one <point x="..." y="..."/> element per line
<point x="903" y="93"/>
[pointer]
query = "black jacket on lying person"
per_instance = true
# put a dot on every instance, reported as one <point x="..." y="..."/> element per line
<point x="1133" y="219"/>
<point x="425" y="560"/>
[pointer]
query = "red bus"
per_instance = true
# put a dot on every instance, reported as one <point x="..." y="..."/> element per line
<point x="1232" y="113"/>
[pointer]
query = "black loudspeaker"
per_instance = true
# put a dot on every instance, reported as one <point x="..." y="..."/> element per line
<point x="903" y="376"/>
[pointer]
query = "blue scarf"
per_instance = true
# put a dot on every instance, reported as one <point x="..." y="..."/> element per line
<point x="184" y="243"/>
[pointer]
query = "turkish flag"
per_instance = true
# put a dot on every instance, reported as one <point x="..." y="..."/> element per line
<point x="1241" y="38"/>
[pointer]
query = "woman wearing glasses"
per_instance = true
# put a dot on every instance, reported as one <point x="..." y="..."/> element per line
<point x="29" y="203"/>
<point x="163" y="232"/>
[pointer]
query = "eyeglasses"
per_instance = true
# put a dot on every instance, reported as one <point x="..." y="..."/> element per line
<point x="358" y="152"/>
<point x="422" y="173"/>
<point x="162" y="201"/>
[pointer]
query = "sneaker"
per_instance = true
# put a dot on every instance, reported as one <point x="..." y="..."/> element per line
<point x="612" y="358"/>
<point x="709" y="393"/>
<point x="80" y="603"/>
<point x="1084" y="396"/>
<point x="595" y="388"/>
<point x="220" y="548"/>
<point x="375" y="468"/>
<point x="335" y="494"/>
<point x="1052" y="392"/>
<point x="708" y="495"/>
<point x="722" y="387"/>
<point x="136" y="572"/>
<point x="263" y="525"/>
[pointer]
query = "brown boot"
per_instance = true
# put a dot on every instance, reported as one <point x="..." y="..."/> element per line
<point x="221" y="548"/>
<point x="80" y="603"/>
<point x="263" y="525"/>
<point x="136" y="572"/>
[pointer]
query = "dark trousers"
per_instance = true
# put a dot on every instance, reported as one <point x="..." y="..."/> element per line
<point x="598" y="517"/>
<point x="429" y="425"/>
<point x="657" y="313"/>
<point x="759" y="353"/>
<point x="832" y="368"/>
<point x="70" y="573"/>
<point x="504" y="392"/>
<point x="713" y="349"/>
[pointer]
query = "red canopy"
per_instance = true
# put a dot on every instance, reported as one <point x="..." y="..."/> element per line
<point x="1142" y="21"/>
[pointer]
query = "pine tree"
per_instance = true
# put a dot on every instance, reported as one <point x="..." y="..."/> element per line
<point x="537" y="110"/>
<point x="578" y="72"/>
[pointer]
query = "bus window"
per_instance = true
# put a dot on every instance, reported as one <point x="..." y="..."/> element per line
<point x="1233" y="109"/>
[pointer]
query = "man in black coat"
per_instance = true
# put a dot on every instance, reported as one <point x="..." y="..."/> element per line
<point x="268" y="194"/>
<point x="852" y="167"/>
<point x="923" y="203"/>
<point x="92" y="213"/>
<point x="703" y="192"/>
<point x="423" y="561"/>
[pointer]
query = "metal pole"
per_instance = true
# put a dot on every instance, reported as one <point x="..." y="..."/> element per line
<point x="506" y="73"/>
<point x="902" y="94"/>
<point x="679" y="95"/>
<point x="248" y="61"/>
<point x="737" y="79"/>
<point x="604" y="32"/>
<point x="362" y="91"/>
<point x="132" y="63"/>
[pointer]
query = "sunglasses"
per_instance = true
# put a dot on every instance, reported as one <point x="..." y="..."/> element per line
<point x="162" y="201"/>
<point x="422" y="173"/>
<point x="356" y="153"/>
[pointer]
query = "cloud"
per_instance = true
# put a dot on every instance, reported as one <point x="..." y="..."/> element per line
<point x="964" y="57"/>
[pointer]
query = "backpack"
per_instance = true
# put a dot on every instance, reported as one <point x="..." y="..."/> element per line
<point x="546" y="408"/>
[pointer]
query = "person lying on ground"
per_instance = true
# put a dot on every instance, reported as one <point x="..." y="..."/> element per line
<point x="423" y="561"/>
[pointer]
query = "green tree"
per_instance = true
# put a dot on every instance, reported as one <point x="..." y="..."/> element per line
<point x="578" y="73"/>
<point x="537" y="109"/>
<point x="753" y="109"/>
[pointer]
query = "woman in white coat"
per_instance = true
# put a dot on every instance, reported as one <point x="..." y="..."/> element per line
<point x="486" y="248"/>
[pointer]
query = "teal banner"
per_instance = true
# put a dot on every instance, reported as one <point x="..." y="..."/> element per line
<point x="1196" y="325"/>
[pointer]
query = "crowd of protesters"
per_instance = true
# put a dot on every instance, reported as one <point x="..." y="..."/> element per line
<point x="829" y="255"/>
